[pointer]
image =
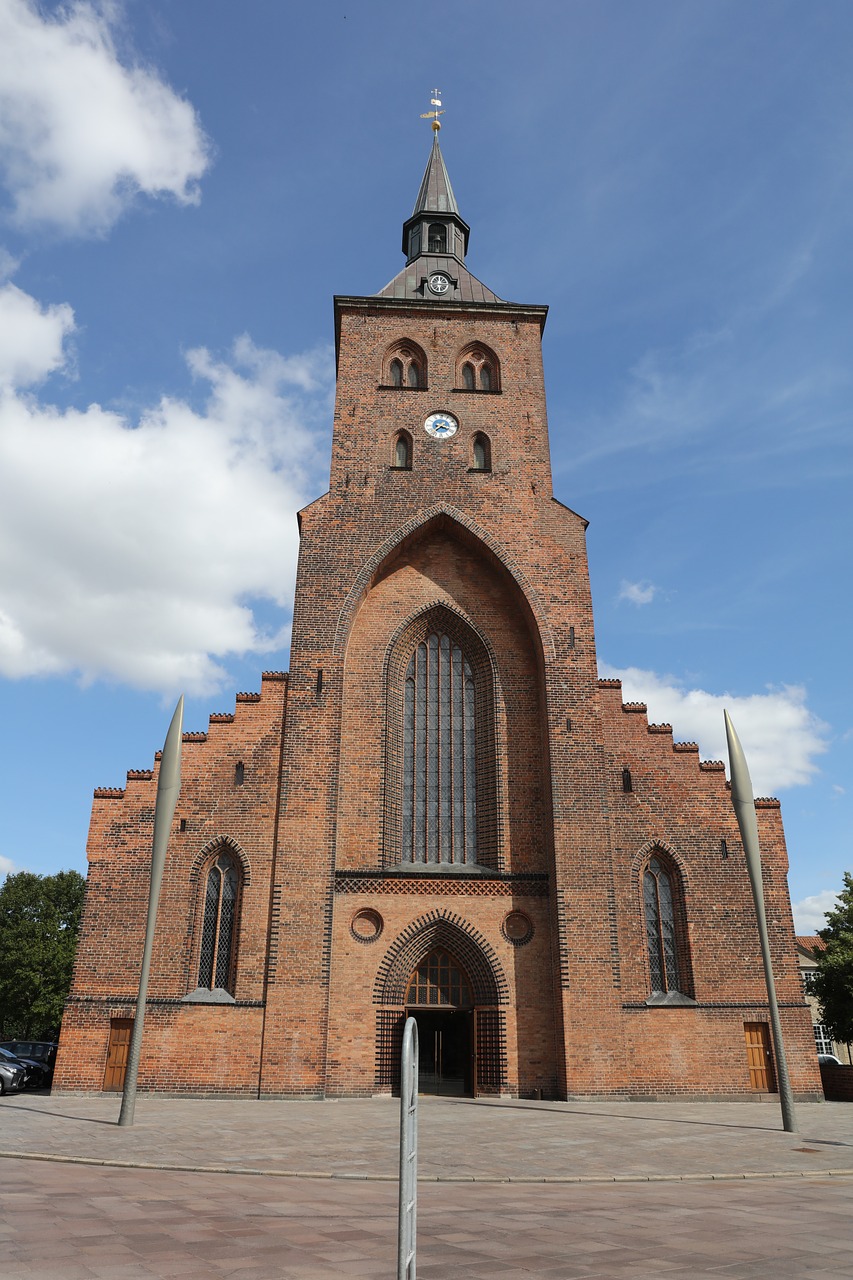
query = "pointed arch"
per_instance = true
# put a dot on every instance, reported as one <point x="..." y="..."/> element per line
<point x="437" y="517"/>
<point x="478" y="369"/>
<point x="404" y="365"/>
<point x="441" y="928"/>
<point x="662" y="903"/>
<point x="217" y="843"/>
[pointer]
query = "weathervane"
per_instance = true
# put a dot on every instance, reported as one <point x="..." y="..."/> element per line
<point x="433" y="115"/>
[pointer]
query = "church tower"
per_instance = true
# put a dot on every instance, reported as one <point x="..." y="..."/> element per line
<point x="441" y="810"/>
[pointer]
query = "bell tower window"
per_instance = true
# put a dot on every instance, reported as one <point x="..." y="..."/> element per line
<point x="437" y="237"/>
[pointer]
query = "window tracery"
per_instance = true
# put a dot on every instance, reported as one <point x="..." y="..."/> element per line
<point x="665" y="940"/>
<point x="478" y="369"/>
<point x="405" y="366"/>
<point x="219" y="925"/>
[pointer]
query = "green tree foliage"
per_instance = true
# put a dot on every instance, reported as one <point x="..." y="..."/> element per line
<point x="39" y="923"/>
<point x="833" y="981"/>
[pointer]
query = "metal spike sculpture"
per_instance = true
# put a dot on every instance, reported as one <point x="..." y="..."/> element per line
<point x="744" y="807"/>
<point x="168" y="789"/>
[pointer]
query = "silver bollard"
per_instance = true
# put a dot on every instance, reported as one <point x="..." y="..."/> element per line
<point x="407" y="1226"/>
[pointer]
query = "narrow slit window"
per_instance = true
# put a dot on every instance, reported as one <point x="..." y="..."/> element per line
<point x="485" y="378"/>
<point x="481" y="453"/>
<point x="396" y="372"/>
<point x="468" y="377"/>
<point x="403" y="452"/>
<point x="239" y="773"/>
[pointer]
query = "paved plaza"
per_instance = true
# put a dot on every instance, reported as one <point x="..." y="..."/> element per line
<point x="509" y="1189"/>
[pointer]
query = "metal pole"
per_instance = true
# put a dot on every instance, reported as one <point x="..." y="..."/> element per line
<point x="407" y="1224"/>
<point x="168" y="789"/>
<point x="744" y="807"/>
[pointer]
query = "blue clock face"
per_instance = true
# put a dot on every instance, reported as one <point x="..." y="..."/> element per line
<point x="441" y="426"/>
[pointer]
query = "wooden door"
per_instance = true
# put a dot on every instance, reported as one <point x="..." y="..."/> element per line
<point x="121" y="1030"/>
<point x="759" y="1057"/>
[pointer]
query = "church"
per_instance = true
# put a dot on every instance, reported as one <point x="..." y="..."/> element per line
<point x="439" y="810"/>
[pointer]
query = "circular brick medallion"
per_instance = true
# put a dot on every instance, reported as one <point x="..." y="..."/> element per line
<point x="366" y="925"/>
<point x="517" y="928"/>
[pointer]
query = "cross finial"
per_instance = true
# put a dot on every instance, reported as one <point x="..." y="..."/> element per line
<point x="433" y="115"/>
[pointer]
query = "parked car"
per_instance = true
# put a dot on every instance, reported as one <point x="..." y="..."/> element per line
<point x="829" y="1057"/>
<point x="12" y="1073"/>
<point x="42" y="1052"/>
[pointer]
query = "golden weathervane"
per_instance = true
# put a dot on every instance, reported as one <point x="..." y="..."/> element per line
<point x="433" y="115"/>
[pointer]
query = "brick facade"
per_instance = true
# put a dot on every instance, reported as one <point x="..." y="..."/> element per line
<point x="301" y="788"/>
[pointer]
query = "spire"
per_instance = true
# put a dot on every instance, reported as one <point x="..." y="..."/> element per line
<point x="436" y="194"/>
<point x="435" y="226"/>
<point x="435" y="239"/>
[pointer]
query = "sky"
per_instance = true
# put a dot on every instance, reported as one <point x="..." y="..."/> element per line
<point x="184" y="187"/>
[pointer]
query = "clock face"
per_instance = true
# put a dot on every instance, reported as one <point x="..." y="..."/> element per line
<point x="441" y="426"/>
<point x="438" y="282"/>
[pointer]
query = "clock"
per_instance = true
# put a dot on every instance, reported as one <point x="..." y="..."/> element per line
<point x="438" y="283"/>
<point x="441" y="426"/>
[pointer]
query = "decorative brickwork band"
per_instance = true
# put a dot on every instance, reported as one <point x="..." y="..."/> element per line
<point x="449" y="885"/>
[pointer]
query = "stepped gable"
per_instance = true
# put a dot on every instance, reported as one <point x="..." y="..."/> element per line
<point x="626" y="712"/>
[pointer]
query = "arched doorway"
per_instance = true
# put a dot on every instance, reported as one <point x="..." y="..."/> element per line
<point x="439" y="997"/>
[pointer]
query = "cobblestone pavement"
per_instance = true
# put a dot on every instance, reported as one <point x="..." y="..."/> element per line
<point x="715" y="1190"/>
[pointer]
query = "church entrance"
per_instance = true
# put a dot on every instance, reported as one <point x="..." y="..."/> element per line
<point x="439" y="999"/>
<point x="445" y="1056"/>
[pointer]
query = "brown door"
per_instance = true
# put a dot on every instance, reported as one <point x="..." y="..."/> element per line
<point x="759" y="1057"/>
<point x="121" y="1030"/>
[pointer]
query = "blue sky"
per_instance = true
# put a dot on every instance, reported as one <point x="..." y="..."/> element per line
<point x="182" y="190"/>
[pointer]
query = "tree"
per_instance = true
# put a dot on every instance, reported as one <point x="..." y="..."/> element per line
<point x="833" y="981"/>
<point x="39" y="923"/>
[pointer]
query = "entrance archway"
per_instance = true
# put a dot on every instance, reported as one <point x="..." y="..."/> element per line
<point x="460" y="997"/>
<point x="440" y="999"/>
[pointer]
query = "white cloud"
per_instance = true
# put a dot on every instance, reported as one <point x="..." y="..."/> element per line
<point x="638" y="593"/>
<point x="810" y="914"/>
<point x="32" y="338"/>
<point x="81" y="133"/>
<point x="7" y="867"/>
<point x="136" y="550"/>
<point x="780" y="736"/>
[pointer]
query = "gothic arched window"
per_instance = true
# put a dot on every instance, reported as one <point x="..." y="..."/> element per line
<point x="404" y="365"/>
<point x="481" y="453"/>
<point x="660" y="893"/>
<point x="439" y="755"/>
<point x="478" y="369"/>
<point x="219" y="926"/>
<point x="403" y="451"/>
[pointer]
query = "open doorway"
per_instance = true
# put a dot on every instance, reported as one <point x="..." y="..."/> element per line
<point x="439" y="999"/>
<point x="445" y="1052"/>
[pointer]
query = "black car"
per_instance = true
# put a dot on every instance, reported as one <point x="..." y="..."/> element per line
<point x="41" y="1052"/>
<point x="13" y="1074"/>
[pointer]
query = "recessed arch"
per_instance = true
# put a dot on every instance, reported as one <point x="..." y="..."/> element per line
<point x="404" y="365"/>
<point x="478" y="369"/>
<point x="445" y="929"/>
<point x="471" y="534"/>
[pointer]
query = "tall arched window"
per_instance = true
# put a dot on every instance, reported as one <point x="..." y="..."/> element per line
<point x="396" y="372"/>
<point x="661" y="927"/>
<point x="403" y="451"/>
<point x="217" y="953"/>
<point x="439" y="755"/>
<point x="481" y="453"/>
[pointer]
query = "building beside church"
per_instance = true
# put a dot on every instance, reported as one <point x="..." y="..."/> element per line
<point x="440" y="809"/>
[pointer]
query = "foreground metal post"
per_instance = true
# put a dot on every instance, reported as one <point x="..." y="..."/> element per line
<point x="744" y="807"/>
<point x="168" y="789"/>
<point x="407" y="1228"/>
